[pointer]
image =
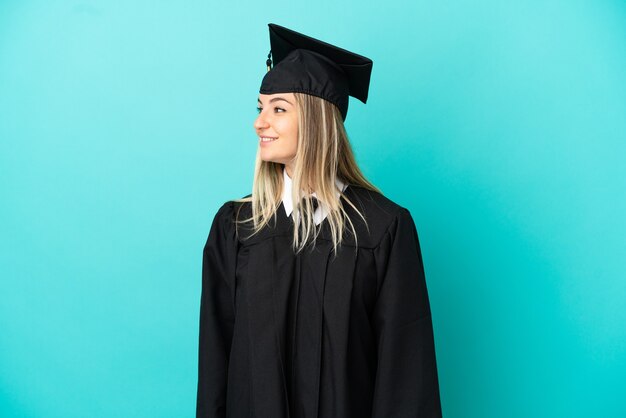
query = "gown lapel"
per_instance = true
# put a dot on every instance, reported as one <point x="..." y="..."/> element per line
<point x="307" y="333"/>
<point x="286" y="335"/>
<point x="266" y="364"/>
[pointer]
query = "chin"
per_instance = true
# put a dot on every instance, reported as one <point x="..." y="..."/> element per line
<point x="270" y="159"/>
<point x="273" y="158"/>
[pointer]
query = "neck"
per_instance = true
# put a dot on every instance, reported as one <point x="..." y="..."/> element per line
<point x="289" y="173"/>
<point x="289" y="170"/>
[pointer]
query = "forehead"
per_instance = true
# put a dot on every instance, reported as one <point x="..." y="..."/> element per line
<point x="269" y="98"/>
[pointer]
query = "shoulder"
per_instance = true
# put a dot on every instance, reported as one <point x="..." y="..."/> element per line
<point x="230" y="206"/>
<point x="376" y="203"/>
<point x="381" y="213"/>
<point x="226" y="214"/>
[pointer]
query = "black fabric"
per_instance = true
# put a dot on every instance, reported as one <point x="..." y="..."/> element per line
<point x="307" y="65"/>
<point x="310" y="335"/>
<point x="314" y="203"/>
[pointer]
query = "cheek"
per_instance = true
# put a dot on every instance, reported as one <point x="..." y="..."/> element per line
<point x="294" y="134"/>
<point x="288" y="130"/>
<point x="294" y="130"/>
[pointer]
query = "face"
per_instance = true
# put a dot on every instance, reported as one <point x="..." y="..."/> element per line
<point x="278" y="120"/>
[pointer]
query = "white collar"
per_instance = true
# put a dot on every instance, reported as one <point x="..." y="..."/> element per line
<point x="320" y="213"/>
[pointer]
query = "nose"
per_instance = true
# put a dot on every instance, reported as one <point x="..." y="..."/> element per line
<point x="260" y="122"/>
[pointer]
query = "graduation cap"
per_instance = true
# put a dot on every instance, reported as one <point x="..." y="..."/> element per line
<point x="302" y="64"/>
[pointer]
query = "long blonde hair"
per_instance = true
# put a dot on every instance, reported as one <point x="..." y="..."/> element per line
<point x="323" y="154"/>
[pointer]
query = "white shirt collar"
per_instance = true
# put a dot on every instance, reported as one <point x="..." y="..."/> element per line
<point x="320" y="213"/>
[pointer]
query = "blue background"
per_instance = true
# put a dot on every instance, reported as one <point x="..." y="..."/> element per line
<point x="500" y="125"/>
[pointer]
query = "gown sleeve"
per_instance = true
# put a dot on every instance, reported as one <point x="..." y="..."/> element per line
<point x="406" y="375"/>
<point x="216" y="314"/>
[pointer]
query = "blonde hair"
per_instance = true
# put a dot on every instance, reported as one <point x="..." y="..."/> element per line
<point x="323" y="154"/>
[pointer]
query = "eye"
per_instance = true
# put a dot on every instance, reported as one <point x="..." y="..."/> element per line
<point x="279" y="108"/>
<point x="259" y="109"/>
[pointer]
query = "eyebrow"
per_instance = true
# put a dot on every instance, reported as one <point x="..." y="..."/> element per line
<point x="276" y="99"/>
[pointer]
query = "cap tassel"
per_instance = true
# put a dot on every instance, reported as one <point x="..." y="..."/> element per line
<point x="269" y="61"/>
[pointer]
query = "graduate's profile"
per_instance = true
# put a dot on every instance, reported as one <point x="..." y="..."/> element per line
<point x="314" y="300"/>
<point x="292" y="209"/>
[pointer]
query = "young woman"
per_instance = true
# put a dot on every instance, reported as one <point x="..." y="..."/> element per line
<point x="314" y="301"/>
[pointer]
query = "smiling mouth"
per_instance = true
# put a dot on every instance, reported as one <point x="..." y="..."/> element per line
<point x="267" y="139"/>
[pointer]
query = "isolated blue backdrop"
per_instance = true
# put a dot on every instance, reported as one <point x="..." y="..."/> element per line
<point x="124" y="125"/>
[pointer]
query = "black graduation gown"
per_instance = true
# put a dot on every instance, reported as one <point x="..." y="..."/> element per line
<point x="306" y="336"/>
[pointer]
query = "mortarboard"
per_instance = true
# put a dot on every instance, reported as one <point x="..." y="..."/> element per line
<point x="302" y="64"/>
